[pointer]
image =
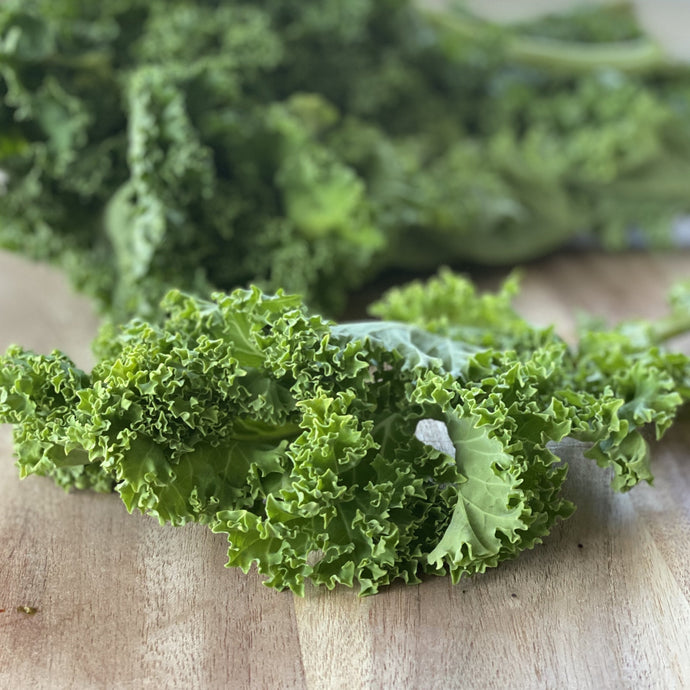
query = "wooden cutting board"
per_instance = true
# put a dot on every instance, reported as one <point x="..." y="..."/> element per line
<point x="117" y="601"/>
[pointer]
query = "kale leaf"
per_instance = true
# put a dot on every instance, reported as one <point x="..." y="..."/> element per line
<point x="302" y="440"/>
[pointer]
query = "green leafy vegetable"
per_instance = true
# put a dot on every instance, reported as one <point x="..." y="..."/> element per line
<point x="213" y="144"/>
<point x="303" y="440"/>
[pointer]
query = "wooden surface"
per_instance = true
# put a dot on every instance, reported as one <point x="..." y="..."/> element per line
<point x="124" y="603"/>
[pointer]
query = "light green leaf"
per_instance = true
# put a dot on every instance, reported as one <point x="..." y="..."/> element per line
<point x="489" y="501"/>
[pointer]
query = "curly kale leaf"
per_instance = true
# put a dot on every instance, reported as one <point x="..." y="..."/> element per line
<point x="300" y="439"/>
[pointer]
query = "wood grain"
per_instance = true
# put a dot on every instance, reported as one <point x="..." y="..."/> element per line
<point x="122" y="602"/>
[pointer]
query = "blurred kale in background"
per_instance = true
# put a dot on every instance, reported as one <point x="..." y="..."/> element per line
<point x="310" y="146"/>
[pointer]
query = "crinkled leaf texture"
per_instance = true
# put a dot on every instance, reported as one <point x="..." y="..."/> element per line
<point x="297" y="437"/>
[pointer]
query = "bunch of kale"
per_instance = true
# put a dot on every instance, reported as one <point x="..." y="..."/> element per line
<point x="147" y="144"/>
<point x="300" y="438"/>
